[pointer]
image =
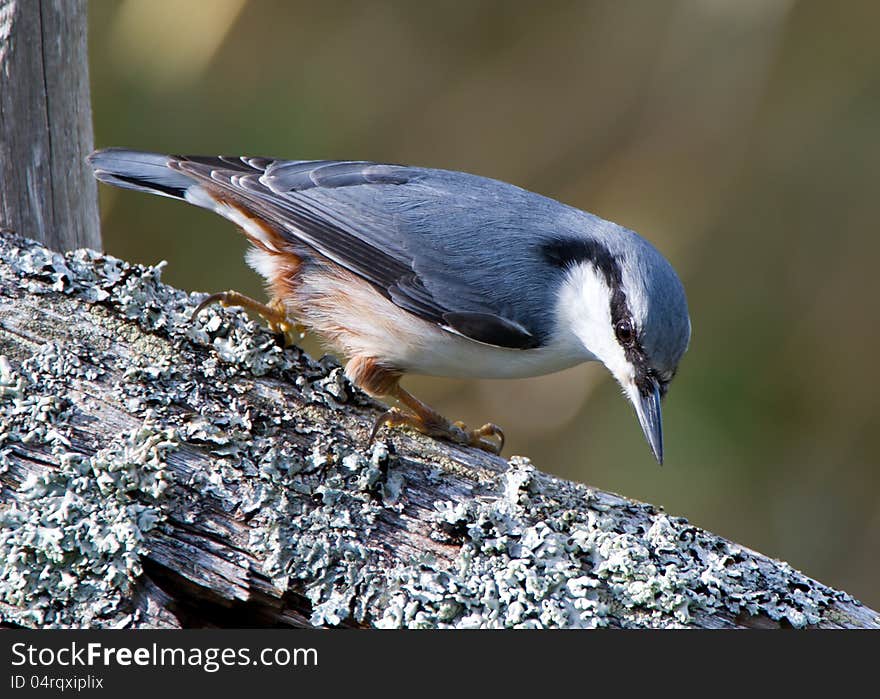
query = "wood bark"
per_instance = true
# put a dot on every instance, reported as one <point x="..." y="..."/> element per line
<point x="160" y="472"/>
<point x="46" y="188"/>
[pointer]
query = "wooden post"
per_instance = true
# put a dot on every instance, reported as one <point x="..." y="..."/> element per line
<point x="47" y="191"/>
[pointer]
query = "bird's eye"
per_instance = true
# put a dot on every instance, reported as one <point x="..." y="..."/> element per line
<point x="625" y="333"/>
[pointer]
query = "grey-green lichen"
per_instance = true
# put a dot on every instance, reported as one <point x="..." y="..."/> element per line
<point x="535" y="553"/>
<point x="70" y="543"/>
<point x="547" y="553"/>
<point x="328" y="517"/>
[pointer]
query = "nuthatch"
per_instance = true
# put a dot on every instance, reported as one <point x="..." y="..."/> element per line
<point x="416" y="270"/>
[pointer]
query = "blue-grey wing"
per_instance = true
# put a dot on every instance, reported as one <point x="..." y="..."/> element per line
<point x="454" y="249"/>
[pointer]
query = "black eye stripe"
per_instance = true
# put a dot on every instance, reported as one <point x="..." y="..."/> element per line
<point x="631" y="343"/>
<point x="564" y="252"/>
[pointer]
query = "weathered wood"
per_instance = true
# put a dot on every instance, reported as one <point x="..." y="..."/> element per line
<point x="46" y="189"/>
<point x="156" y="472"/>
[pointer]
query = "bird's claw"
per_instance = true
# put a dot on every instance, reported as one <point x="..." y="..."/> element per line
<point x="393" y="417"/>
<point x="273" y="313"/>
<point x="478" y="437"/>
<point x="456" y="432"/>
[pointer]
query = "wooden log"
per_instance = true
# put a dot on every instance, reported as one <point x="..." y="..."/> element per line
<point x="159" y="472"/>
<point x="46" y="188"/>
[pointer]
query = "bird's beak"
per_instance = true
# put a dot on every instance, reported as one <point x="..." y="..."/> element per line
<point x="648" y="410"/>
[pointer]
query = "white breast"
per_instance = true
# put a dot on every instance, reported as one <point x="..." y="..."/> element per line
<point x="358" y="321"/>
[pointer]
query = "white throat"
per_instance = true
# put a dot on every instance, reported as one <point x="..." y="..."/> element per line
<point x="584" y="307"/>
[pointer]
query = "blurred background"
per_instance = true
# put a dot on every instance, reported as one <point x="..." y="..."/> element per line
<point x="742" y="137"/>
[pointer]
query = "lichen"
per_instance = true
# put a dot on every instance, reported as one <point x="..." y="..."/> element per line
<point x="533" y="553"/>
<point x="542" y="555"/>
<point x="70" y="544"/>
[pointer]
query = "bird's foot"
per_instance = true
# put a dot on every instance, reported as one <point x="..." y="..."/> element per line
<point x="489" y="437"/>
<point x="273" y="313"/>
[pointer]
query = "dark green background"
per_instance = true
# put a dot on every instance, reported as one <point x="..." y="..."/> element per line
<point x="742" y="137"/>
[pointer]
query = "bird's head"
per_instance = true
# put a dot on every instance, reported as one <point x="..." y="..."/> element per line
<point x="625" y="304"/>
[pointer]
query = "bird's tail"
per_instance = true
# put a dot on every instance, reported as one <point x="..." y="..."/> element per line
<point x="144" y="172"/>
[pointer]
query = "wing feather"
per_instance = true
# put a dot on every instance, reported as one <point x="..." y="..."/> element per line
<point x="333" y="208"/>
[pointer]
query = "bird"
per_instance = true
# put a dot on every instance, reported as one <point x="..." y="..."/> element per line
<point x="415" y="270"/>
